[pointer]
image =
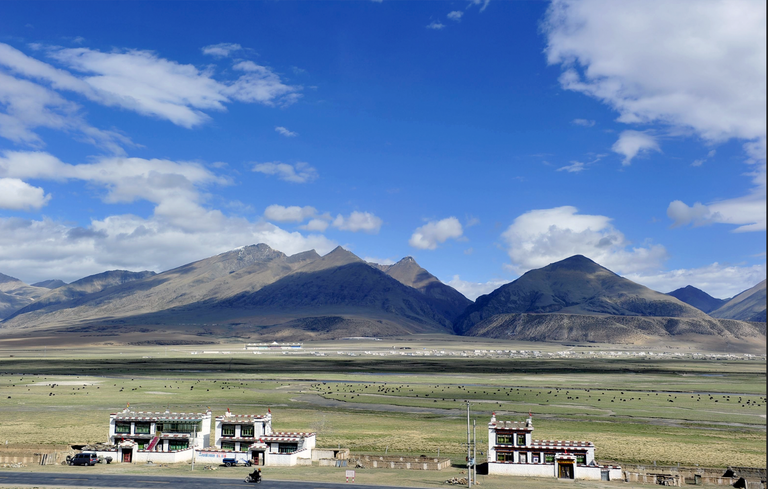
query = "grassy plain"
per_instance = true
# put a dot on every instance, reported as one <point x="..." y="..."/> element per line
<point x="687" y="411"/>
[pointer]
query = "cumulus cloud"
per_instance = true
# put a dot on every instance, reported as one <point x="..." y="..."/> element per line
<point x="659" y="61"/>
<point x="436" y="25"/>
<point x="179" y="230"/>
<point x="316" y="225"/>
<point x="632" y="143"/>
<point x="473" y="290"/>
<point x="298" y="173"/>
<point x="37" y="250"/>
<point x="718" y="280"/>
<point x="428" y="236"/>
<point x="293" y="213"/>
<point x="136" y="80"/>
<point x="358" y="221"/>
<point x="285" y="132"/>
<point x="18" y="195"/>
<point x="455" y="15"/>
<point x="543" y="236"/>
<point x="221" y="50"/>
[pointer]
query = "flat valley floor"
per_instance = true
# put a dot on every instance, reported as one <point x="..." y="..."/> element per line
<point x="639" y="405"/>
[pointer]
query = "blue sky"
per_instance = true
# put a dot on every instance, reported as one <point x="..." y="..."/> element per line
<point x="483" y="138"/>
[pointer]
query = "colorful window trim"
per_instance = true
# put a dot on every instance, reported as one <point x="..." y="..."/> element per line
<point x="246" y="431"/>
<point x="505" y="457"/>
<point x="521" y="440"/>
<point x="123" y="428"/>
<point x="504" y="439"/>
<point x="228" y="430"/>
<point x="141" y="428"/>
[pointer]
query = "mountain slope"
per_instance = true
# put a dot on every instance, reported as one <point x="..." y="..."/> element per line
<point x="50" y="284"/>
<point x="257" y="286"/>
<point x="697" y="298"/>
<point x="576" y="285"/>
<point x="747" y="306"/>
<point x="448" y="300"/>
<point x="15" y="294"/>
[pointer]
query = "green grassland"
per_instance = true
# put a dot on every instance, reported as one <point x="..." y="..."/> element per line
<point x="711" y="413"/>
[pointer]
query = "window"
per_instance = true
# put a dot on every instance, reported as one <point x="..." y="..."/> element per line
<point x="581" y="458"/>
<point x="169" y="427"/>
<point x="504" y="457"/>
<point x="503" y="439"/>
<point x="178" y="444"/>
<point x="228" y="430"/>
<point x="227" y="445"/>
<point x="523" y="457"/>
<point x="246" y="430"/>
<point x="243" y="447"/>
<point x="549" y="458"/>
<point x="288" y="448"/>
<point x="535" y="459"/>
<point x="141" y="444"/>
<point x="142" y="428"/>
<point x="123" y="428"/>
<point x="521" y="440"/>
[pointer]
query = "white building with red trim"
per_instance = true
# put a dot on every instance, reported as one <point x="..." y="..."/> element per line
<point x="513" y="451"/>
<point x="250" y="437"/>
<point x="158" y="437"/>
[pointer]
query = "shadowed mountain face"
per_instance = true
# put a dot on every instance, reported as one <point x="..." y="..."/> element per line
<point x="50" y="284"/>
<point x="253" y="281"/>
<point x="697" y="298"/>
<point x="747" y="306"/>
<point x="15" y="294"/>
<point x="576" y="285"/>
<point x="450" y="302"/>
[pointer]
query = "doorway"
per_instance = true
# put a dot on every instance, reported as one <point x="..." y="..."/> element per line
<point x="127" y="455"/>
<point x="565" y="470"/>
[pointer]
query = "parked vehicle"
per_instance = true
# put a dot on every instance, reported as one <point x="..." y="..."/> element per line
<point x="254" y="477"/>
<point x="234" y="462"/>
<point x="84" y="459"/>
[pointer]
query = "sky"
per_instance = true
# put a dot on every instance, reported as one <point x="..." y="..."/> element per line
<point x="483" y="138"/>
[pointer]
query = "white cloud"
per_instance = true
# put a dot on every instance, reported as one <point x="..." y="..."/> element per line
<point x="293" y="213"/>
<point x="380" y="261"/>
<point x="221" y="50"/>
<point x="473" y="290"/>
<point x="316" y="225"/>
<point x="455" y="15"/>
<point x="483" y="3"/>
<point x="436" y="25"/>
<point x="543" y="236"/>
<point x="298" y="173"/>
<point x="659" y="61"/>
<point x="18" y="195"/>
<point x="179" y="230"/>
<point x="29" y="106"/>
<point x="285" y="132"/>
<point x="428" y="236"/>
<point x="584" y="122"/>
<point x="145" y="83"/>
<point x="163" y="182"/>
<point x="632" y="143"/>
<point x="358" y="221"/>
<point x="717" y="280"/>
<point x="38" y="250"/>
<point x="574" y="167"/>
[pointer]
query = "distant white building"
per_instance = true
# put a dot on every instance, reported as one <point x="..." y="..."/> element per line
<point x="513" y="451"/>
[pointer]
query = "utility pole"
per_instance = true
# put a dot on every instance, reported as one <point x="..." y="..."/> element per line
<point x="469" y="453"/>
<point x="474" y="454"/>
<point x="194" y="445"/>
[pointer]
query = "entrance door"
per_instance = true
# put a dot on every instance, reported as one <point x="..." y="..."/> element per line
<point x="127" y="456"/>
<point x="565" y="470"/>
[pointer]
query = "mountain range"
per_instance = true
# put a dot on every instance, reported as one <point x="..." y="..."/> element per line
<point x="258" y="292"/>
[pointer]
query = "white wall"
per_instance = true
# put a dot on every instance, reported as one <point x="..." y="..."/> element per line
<point x="525" y="470"/>
<point x="164" y="457"/>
